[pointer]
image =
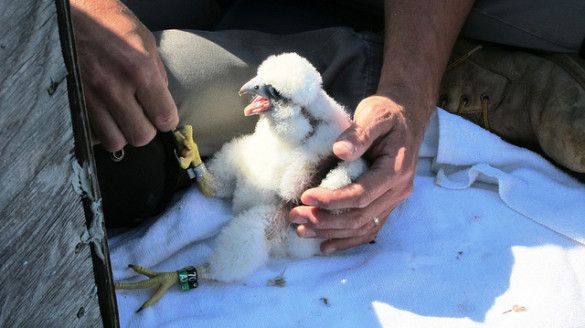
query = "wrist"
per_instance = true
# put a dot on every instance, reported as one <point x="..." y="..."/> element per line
<point x="411" y="78"/>
<point x="408" y="94"/>
<point x="415" y="106"/>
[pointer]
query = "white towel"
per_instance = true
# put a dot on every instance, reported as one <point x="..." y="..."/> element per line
<point x="492" y="236"/>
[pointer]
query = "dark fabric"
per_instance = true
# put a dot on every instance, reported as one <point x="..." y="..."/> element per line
<point x="181" y="14"/>
<point x="545" y="25"/>
<point x="537" y="24"/>
<point x="273" y="16"/>
<point x="141" y="184"/>
<point x="286" y="16"/>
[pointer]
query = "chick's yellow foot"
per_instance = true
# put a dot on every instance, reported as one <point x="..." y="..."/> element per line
<point x="189" y="157"/>
<point x="186" y="278"/>
<point x="188" y="150"/>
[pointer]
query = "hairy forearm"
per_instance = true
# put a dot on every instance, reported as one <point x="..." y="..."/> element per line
<point x="418" y="40"/>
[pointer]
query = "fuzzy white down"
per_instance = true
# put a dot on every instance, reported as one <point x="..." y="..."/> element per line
<point x="261" y="170"/>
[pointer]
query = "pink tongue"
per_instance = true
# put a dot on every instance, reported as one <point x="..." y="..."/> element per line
<point x="257" y="106"/>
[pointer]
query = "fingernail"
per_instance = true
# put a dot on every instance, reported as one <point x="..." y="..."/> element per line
<point x="344" y="146"/>
<point x="308" y="233"/>
<point x="328" y="250"/>
<point x="311" y="201"/>
<point x="299" y="220"/>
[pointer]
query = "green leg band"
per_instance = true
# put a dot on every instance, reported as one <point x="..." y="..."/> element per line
<point x="187" y="278"/>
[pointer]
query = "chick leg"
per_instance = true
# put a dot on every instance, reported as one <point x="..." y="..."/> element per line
<point x="241" y="247"/>
<point x="162" y="280"/>
<point x="189" y="157"/>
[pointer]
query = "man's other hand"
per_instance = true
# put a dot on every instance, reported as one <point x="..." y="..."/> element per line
<point x="124" y="80"/>
<point x="385" y="135"/>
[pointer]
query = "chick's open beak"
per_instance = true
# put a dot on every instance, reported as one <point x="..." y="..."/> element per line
<point x="260" y="102"/>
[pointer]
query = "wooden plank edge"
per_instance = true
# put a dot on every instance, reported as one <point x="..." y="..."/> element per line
<point x="96" y="231"/>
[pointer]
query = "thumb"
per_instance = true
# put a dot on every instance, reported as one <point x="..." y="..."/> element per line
<point x="352" y="143"/>
<point x="373" y="118"/>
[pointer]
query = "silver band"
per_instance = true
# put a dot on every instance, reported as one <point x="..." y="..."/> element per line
<point x="197" y="172"/>
<point x="376" y="220"/>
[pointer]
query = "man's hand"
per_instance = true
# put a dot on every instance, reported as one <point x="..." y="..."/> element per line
<point x="387" y="128"/>
<point x="390" y="140"/>
<point x="124" y="80"/>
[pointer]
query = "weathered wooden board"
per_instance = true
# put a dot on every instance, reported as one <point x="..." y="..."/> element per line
<point x="46" y="271"/>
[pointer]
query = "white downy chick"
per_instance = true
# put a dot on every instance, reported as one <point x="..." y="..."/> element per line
<point x="264" y="171"/>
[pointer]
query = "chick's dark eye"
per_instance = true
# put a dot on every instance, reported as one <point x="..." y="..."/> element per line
<point x="273" y="92"/>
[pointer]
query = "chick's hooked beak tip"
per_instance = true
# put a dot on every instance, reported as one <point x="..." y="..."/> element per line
<point x="259" y="103"/>
<point x="251" y="87"/>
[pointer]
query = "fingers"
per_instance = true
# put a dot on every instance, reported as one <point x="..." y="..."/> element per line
<point x="352" y="223"/>
<point x="148" y="74"/>
<point x="356" y="139"/>
<point x="161" y="69"/>
<point x="380" y="127"/>
<point x="125" y="82"/>
<point x="323" y="219"/>
<point x="333" y="245"/>
<point x="368" y="187"/>
<point x="352" y="143"/>
<point x="158" y="104"/>
<point x="374" y="118"/>
<point x="348" y="229"/>
<point x="115" y="115"/>
<point x="367" y="235"/>
<point x="130" y="117"/>
<point x="307" y="232"/>
<point x="104" y="128"/>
